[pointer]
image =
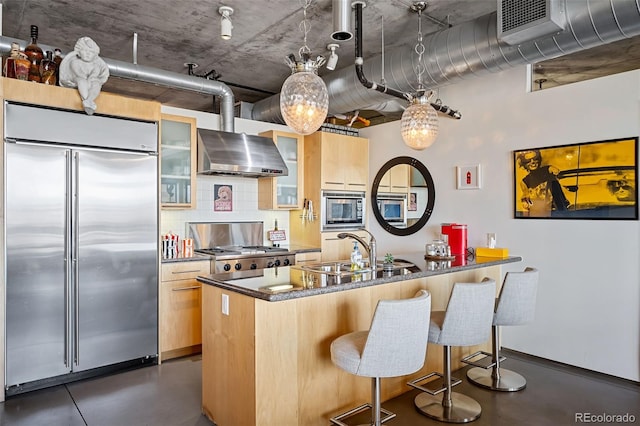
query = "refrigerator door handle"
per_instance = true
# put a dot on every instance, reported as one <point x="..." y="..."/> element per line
<point x="76" y="269"/>
<point x="67" y="257"/>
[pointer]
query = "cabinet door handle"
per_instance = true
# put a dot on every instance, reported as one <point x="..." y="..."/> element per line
<point x="185" y="272"/>
<point x="195" y="287"/>
<point x="334" y="183"/>
<point x="357" y="184"/>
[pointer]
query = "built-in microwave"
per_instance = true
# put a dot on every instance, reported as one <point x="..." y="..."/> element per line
<point x="342" y="210"/>
<point x="393" y="208"/>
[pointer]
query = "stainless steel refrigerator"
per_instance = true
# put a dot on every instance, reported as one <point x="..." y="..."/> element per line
<point x="81" y="244"/>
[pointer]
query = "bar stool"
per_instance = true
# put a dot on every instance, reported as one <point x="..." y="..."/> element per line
<point x="394" y="345"/>
<point x="465" y="322"/>
<point x="514" y="306"/>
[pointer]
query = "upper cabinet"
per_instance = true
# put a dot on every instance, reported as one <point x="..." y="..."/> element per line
<point x="395" y="180"/>
<point x="344" y="161"/>
<point x="284" y="192"/>
<point x="178" y="161"/>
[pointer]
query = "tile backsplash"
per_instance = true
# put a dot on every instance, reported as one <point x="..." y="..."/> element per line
<point x="244" y="202"/>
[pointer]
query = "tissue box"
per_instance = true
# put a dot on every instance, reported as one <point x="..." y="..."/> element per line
<point x="492" y="252"/>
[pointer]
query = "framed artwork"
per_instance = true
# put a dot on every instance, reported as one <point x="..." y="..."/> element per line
<point x="468" y="177"/>
<point x="593" y="180"/>
<point x="413" y="201"/>
<point x="224" y="198"/>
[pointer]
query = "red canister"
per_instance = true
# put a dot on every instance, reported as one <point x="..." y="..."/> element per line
<point x="457" y="236"/>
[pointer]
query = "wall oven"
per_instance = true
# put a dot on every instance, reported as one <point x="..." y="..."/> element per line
<point x="393" y="208"/>
<point x="342" y="210"/>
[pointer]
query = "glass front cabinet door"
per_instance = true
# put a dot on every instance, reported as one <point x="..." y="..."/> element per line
<point x="284" y="192"/>
<point x="177" y="161"/>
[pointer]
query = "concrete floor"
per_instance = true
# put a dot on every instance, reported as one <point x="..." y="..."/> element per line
<point x="169" y="395"/>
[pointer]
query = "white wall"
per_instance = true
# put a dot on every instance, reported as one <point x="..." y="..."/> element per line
<point x="588" y="299"/>
<point x="245" y="190"/>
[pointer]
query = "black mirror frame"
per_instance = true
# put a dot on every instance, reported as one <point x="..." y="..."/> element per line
<point x="430" y="202"/>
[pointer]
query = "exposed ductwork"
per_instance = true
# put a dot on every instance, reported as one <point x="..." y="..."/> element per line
<point x="467" y="50"/>
<point x="459" y="52"/>
<point x="160" y="77"/>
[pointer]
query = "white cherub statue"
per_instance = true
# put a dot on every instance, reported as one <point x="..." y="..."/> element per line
<point x="84" y="69"/>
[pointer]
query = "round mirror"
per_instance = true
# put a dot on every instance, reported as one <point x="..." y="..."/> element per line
<point x="403" y="196"/>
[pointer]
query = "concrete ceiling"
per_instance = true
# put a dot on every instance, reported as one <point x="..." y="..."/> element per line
<point x="251" y="63"/>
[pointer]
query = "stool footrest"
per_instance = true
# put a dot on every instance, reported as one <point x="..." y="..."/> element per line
<point x="337" y="420"/>
<point x="486" y="361"/>
<point x="431" y="390"/>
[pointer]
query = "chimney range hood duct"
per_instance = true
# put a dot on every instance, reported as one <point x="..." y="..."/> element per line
<point x="238" y="154"/>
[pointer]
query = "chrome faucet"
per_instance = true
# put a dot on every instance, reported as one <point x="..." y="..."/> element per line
<point x="370" y="247"/>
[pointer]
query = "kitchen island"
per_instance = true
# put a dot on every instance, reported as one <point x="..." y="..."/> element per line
<point x="266" y="337"/>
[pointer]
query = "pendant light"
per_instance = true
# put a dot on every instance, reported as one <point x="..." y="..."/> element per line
<point x="304" y="100"/>
<point x="419" y="123"/>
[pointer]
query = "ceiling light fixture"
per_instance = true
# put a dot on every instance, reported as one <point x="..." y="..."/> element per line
<point x="225" y="22"/>
<point x="333" y="57"/>
<point x="419" y="123"/>
<point x="304" y="100"/>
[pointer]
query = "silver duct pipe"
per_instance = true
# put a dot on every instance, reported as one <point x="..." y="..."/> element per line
<point x="160" y="77"/>
<point x="467" y="50"/>
<point x="341" y="20"/>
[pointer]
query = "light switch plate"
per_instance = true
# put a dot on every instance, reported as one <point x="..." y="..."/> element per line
<point x="225" y="304"/>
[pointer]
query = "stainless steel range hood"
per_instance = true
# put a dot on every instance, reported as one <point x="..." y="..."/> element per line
<point x="238" y="154"/>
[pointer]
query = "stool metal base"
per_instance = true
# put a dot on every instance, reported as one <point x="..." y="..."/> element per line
<point x="463" y="409"/>
<point x="338" y="420"/>
<point x="509" y="381"/>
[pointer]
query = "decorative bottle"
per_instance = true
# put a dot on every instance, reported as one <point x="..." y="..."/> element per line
<point x="57" y="58"/>
<point x="9" y="70"/>
<point x="48" y="69"/>
<point x="35" y="55"/>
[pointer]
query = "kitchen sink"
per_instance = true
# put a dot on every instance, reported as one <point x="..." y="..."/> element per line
<point x="343" y="267"/>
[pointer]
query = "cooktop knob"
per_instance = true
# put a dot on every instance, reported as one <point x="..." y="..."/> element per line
<point x="238" y="266"/>
<point x="253" y="266"/>
<point x="285" y="262"/>
<point x="227" y="267"/>
<point x="277" y="262"/>
<point x="269" y="264"/>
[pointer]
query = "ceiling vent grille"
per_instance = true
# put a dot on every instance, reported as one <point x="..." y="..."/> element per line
<point x="525" y="20"/>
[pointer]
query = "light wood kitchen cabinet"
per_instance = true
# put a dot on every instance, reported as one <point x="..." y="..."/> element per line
<point x="178" y="161"/>
<point x="396" y="180"/>
<point x="284" y="192"/>
<point x="342" y="161"/>
<point x="308" y="257"/>
<point x="334" y="248"/>
<point x="180" y="308"/>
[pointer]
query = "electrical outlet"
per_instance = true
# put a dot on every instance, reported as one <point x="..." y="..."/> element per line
<point x="225" y="304"/>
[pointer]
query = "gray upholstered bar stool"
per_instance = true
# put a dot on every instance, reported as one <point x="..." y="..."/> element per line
<point x="465" y="322"/>
<point x="515" y="306"/>
<point x="394" y="345"/>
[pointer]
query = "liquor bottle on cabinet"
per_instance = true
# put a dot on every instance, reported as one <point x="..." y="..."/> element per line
<point x="9" y="70"/>
<point x="48" y="69"/>
<point x="35" y="55"/>
<point x="57" y="58"/>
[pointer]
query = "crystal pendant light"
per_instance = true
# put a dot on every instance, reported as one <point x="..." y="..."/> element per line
<point x="304" y="100"/>
<point x="419" y="123"/>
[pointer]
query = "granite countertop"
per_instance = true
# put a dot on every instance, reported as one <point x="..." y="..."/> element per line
<point x="284" y="283"/>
